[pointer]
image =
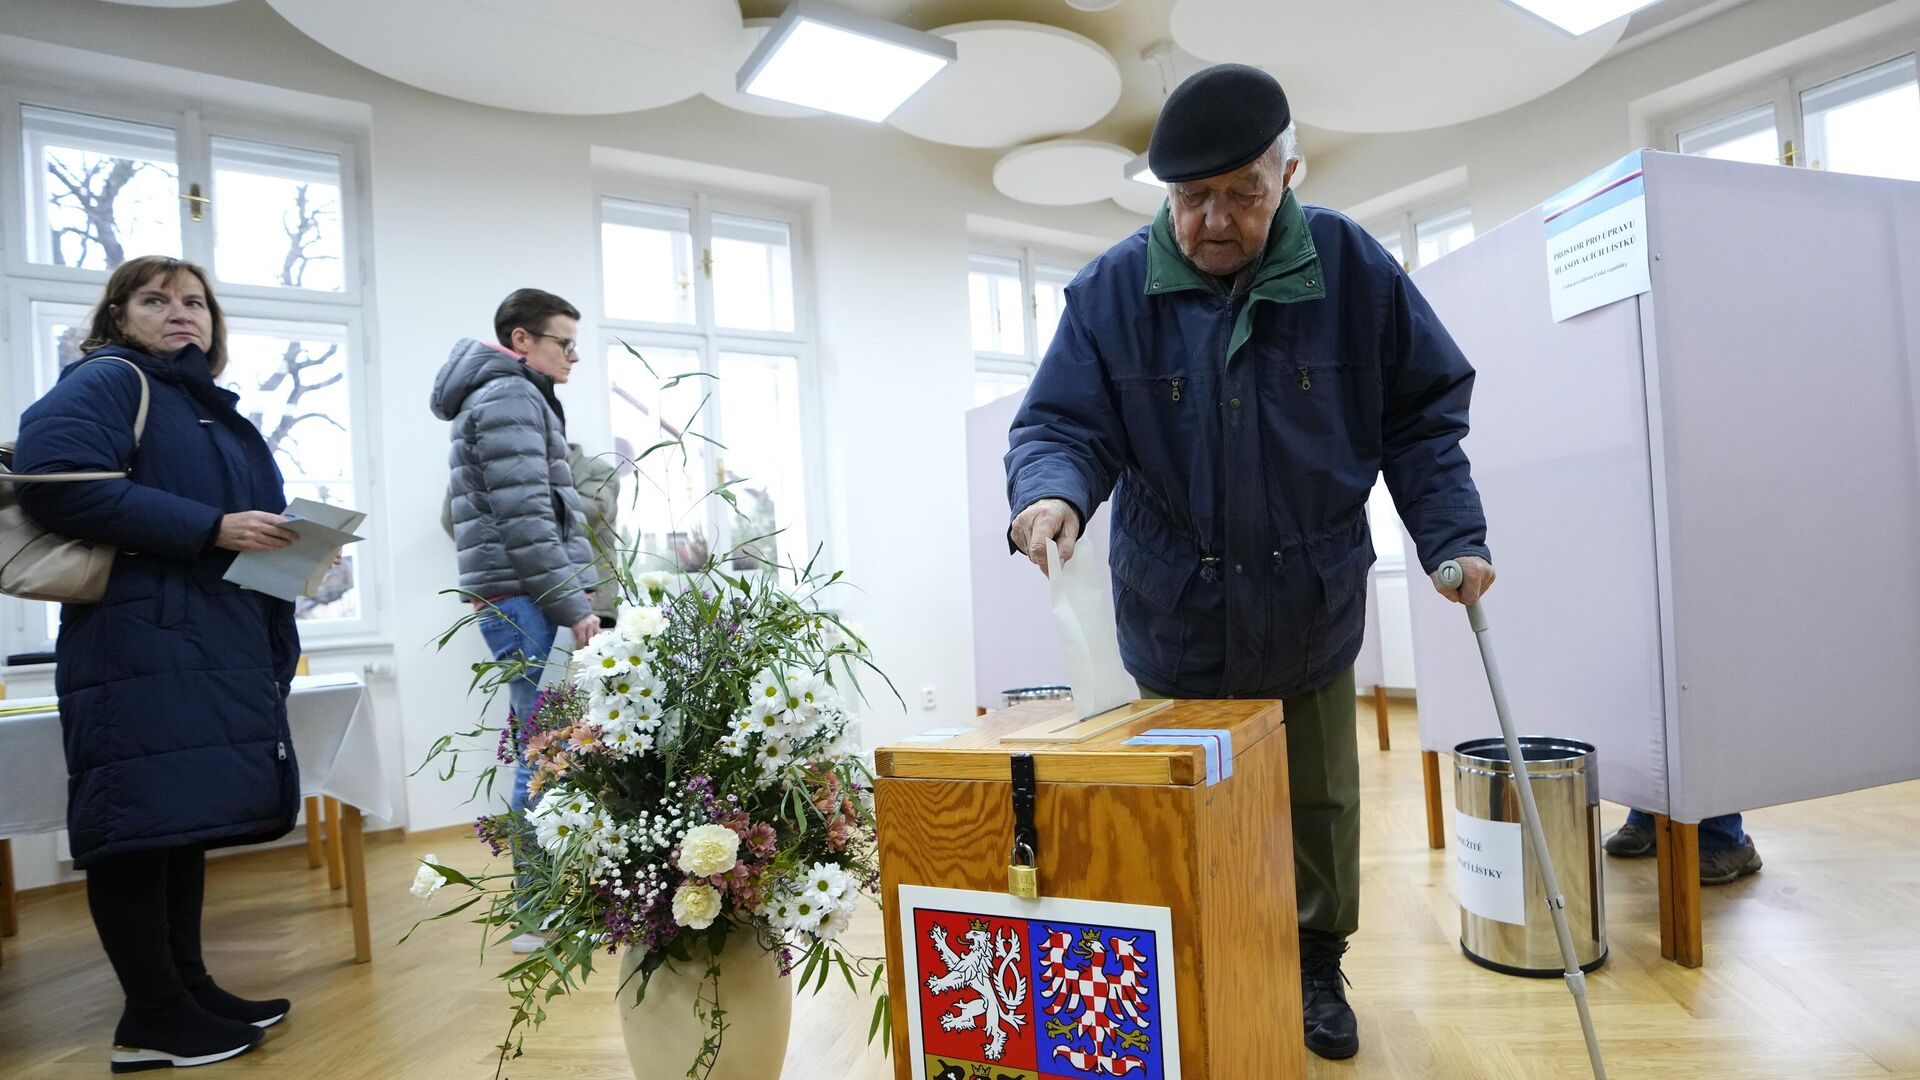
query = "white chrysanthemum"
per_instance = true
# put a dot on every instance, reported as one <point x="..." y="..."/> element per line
<point x="613" y="714"/>
<point x="696" y="906"/>
<point x="594" y="662"/>
<point x="773" y="754"/>
<point x="734" y="743"/>
<point x="626" y="743"/>
<point x="707" y="850"/>
<point x="631" y="653"/>
<point x="556" y="831"/>
<point x="766" y="694"/>
<point x="427" y="880"/>
<point x="640" y="622"/>
<point x="806" y="913"/>
<point x="835" y="924"/>
<point x="826" y="883"/>
<point x="648" y="687"/>
<point x="618" y="686"/>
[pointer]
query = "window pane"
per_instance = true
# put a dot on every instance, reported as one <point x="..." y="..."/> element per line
<point x="276" y="216"/>
<point x="57" y="332"/>
<point x="1443" y="233"/>
<point x="101" y="191"/>
<point x="1746" y="136"/>
<point x="292" y="382"/>
<point x="660" y="512"/>
<point x="989" y="386"/>
<point x="993" y="289"/>
<point x="646" y="256"/>
<point x="1867" y="123"/>
<point x="760" y="425"/>
<point x="752" y="274"/>
<point x="1049" y="301"/>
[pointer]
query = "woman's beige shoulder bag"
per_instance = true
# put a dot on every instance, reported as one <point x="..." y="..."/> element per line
<point x="38" y="564"/>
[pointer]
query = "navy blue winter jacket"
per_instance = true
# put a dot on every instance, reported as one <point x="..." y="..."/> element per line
<point x="173" y="687"/>
<point x="1239" y="436"/>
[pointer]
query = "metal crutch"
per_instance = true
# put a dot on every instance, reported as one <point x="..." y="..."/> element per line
<point x="1450" y="576"/>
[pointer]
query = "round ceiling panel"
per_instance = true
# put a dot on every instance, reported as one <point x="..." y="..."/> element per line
<point x="1064" y="172"/>
<point x="581" y="58"/>
<point x="1418" y="64"/>
<point x="725" y="89"/>
<point x="1012" y="83"/>
<point x="1138" y="197"/>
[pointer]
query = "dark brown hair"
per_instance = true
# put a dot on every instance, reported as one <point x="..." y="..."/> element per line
<point x="128" y="278"/>
<point x="529" y="310"/>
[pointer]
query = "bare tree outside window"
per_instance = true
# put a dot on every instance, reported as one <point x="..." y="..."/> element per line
<point x="96" y="202"/>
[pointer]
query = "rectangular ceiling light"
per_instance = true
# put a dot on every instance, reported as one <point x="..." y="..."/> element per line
<point x="821" y="56"/>
<point x="1577" y="17"/>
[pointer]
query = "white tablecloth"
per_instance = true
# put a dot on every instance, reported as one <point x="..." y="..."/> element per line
<point x="333" y="738"/>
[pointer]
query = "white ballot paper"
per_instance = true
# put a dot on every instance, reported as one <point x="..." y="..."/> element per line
<point x="554" y="673"/>
<point x="1083" y="615"/>
<point x="296" y="570"/>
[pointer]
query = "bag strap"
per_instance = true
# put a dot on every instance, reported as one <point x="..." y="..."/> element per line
<point x="139" y="431"/>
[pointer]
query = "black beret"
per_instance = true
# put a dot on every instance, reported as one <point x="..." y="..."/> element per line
<point x="1216" y="121"/>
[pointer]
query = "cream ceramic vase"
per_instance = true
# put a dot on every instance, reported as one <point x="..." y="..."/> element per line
<point x="663" y="1035"/>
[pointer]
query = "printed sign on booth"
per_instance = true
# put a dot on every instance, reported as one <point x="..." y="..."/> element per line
<point x="1597" y="240"/>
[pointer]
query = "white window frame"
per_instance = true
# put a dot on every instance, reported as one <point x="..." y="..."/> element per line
<point x="26" y="283"/>
<point x="1405" y="226"/>
<point x="1782" y="90"/>
<point x="707" y="340"/>
<point x="1033" y="262"/>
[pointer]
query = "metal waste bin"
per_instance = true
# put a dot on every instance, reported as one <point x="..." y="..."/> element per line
<point x="1010" y="698"/>
<point x="1504" y="921"/>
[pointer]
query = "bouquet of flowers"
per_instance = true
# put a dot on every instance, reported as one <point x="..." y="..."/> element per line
<point x="697" y="777"/>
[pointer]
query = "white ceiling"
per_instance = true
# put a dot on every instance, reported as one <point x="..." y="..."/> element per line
<point x="1028" y="72"/>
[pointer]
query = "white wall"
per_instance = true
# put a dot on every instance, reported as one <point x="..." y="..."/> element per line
<point x="1515" y="159"/>
<point x="468" y="203"/>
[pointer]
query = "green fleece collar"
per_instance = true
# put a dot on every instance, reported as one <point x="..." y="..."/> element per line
<point x="1289" y="270"/>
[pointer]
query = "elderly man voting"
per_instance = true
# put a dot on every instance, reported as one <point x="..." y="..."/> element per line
<point x="1235" y="376"/>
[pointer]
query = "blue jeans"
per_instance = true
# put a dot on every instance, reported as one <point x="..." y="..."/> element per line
<point x="519" y="629"/>
<point x="1721" y="833"/>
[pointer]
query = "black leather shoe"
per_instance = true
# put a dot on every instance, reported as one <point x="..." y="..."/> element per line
<point x="1332" y="1031"/>
<point x="1630" y="842"/>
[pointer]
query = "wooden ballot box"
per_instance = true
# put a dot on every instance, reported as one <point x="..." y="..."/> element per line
<point x="1163" y="938"/>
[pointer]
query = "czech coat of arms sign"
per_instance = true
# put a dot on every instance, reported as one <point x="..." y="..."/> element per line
<point x="1007" y="989"/>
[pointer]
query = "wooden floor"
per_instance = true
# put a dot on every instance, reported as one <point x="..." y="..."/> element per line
<point x="1812" y="970"/>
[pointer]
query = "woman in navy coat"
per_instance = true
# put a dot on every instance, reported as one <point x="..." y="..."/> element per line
<point x="173" y="687"/>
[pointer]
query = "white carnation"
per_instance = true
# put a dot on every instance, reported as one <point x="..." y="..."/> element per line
<point x="696" y="906"/>
<point x="656" y="582"/>
<point x="427" y="880"/>
<point x="707" y="850"/>
<point x="640" y="622"/>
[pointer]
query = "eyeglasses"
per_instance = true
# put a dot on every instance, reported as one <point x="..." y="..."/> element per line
<point x="566" y="344"/>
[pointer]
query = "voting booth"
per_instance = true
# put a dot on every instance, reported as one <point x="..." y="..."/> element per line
<point x="1694" y="435"/>
<point x="1157" y="936"/>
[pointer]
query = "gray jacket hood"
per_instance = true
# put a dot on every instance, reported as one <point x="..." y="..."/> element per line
<point x="472" y="365"/>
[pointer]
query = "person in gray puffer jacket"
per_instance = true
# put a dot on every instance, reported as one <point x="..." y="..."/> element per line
<point x="518" y="524"/>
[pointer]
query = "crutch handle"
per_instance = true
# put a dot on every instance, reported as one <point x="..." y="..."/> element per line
<point x="1450" y="576"/>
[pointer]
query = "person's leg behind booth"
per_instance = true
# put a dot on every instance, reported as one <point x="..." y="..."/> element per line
<point x="1323" y="771"/>
<point x="1727" y="853"/>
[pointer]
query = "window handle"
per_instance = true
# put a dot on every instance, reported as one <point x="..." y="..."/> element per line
<point x="196" y="200"/>
<point x="1791" y="155"/>
<point x="706" y="261"/>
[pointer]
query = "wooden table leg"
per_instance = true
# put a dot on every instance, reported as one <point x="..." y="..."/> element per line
<point x="1436" y="824"/>
<point x="356" y="859"/>
<point x="316" y="842"/>
<point x="333" y="842"/>
<point x="1380" y="716"/>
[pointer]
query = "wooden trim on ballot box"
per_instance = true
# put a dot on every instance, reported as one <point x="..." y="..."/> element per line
<point x="982" y="753"/>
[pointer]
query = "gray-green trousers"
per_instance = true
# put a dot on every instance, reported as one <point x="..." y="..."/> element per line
<point x="1323" y="776"/>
